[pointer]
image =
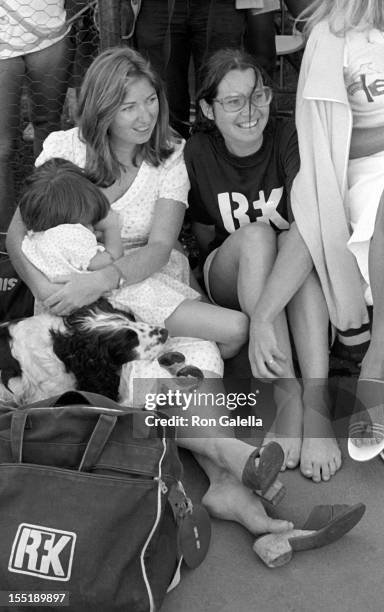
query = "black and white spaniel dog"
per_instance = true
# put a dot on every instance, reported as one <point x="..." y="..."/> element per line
<point x="46" y="355"/>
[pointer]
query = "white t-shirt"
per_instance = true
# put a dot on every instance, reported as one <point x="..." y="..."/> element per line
<point x="27" y="26"/>
<point x="364" y="77"/>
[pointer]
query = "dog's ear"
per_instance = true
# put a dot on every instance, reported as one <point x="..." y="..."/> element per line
<point x="9" y="366"/>
<point x="122" y="346"/>
<point x="104" y="305"/>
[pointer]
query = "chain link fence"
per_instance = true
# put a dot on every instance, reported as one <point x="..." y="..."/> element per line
<point x="46" y="47"/>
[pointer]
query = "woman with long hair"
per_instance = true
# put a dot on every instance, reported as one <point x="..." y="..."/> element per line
<point x="125" y="145"/>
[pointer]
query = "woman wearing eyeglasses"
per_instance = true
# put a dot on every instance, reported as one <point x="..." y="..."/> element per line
<point x="241" y="164"/>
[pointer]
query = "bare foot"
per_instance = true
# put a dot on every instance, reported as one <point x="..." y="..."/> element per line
<point x="229" y="500"/>
<point x="288" y="424"/>
<point x="320" y="453"/>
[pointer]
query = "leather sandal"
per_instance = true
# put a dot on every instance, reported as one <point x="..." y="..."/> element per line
<point x="262" y="479"/>
<point x="325" y="525"/>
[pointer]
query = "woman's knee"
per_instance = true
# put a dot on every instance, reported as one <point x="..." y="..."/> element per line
<point x="238" y="334"/>
<point x="258" y="236"/>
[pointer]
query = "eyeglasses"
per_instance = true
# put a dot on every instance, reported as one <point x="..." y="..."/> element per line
<point x="233" y="104"/>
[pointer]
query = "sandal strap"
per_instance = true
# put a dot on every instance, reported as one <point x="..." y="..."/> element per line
<point x="321" y="515"/>
<point x="249" y="476"/>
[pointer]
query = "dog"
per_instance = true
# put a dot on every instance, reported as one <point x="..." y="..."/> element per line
<point x="46" y="355"/>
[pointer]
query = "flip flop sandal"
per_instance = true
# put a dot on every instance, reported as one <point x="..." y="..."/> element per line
<point x="325" y="525"/>
<point x="365" y="452"/>
<point x="361" y="425"/>
<point x="262" y="479"/>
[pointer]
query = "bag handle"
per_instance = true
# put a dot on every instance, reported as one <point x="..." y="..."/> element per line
<point x="95" y="446"/>
<point x="97" y="441"/>
<point x="81" y="397"/>
<point x="19" y="419"/>
<point x="73" y="397"/>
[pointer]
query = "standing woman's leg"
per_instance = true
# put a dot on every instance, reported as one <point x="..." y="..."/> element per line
<point x="11" y="79"/>
<point x="48" y="73"/>
<point x="162" y="36"/>
<point x="215" y="24"/>
<point x="260" y="39"/>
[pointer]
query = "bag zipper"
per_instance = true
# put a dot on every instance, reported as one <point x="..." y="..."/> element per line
<point x="39" y="467"/>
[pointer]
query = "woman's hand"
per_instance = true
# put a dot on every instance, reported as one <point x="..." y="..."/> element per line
<point x="78" y="291"/>
<point x="267" y="360"/>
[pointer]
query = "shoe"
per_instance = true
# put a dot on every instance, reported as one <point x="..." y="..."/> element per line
<point x="262" y="479"/>
<point x="325" y="525"/>
<point x="174" y="363"/>
<point x="367" y="422"/>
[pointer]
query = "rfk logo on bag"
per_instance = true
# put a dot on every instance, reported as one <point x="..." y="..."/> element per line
<point x="43" y="552"/>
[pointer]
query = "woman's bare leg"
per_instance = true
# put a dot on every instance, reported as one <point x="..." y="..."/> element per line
<point x="228" y="328"/>
<point x="227" y="499"/>
<point x="223" y="458"/>
<point x="238" y="275"/>
<point x="308" y="318"/>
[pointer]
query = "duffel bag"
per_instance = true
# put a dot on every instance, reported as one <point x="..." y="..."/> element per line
<point x="91" y="506"/>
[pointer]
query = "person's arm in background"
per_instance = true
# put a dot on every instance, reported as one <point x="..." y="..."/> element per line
<point x="366" y="141"/>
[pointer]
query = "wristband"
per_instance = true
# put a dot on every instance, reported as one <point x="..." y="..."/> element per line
<point x="121" y="278"/>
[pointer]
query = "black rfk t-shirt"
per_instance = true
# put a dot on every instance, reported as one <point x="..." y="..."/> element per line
<point x="228" y="191"/>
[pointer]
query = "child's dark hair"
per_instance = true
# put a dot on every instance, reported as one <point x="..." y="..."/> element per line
<point x="59" y="192"/>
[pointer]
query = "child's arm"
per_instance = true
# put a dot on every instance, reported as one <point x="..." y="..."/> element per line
<point x="100" y="260"/>
<point x="110" y="226"/>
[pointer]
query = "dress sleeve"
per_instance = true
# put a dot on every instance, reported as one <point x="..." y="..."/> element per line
<point x="174" y="182"/>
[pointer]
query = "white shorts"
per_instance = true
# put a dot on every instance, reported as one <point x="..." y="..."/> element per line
<point x="206" y="268"/>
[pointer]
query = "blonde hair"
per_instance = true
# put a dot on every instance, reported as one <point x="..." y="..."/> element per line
<point x="103" y="91"/>
<point x="343" y="15"/>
